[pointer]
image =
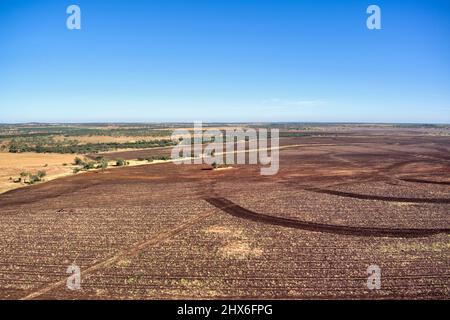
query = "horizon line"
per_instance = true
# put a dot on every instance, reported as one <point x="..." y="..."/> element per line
<point x="223" y="122"/>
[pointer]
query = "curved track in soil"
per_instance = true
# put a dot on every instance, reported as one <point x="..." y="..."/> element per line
<point x="128" y="252"/>
<point x="379" y="198"/>
<point x="240" y="212"/>
<point x="445" y="183"/>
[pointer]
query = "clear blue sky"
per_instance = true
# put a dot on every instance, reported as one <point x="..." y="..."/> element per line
<point x="224" y="60"/>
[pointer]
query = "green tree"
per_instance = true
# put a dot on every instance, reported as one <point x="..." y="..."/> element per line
<point x="104" y="164"/>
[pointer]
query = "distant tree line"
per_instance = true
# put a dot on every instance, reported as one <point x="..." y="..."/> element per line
<point x="24" y="132"/>
<point x="16" y="146"/>
<point x="154" y="158"/>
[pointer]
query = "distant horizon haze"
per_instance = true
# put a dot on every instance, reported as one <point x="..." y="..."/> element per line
<point x="228" y="122"/>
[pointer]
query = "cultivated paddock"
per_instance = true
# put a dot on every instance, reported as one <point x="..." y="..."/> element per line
<point x="338" y="205"/>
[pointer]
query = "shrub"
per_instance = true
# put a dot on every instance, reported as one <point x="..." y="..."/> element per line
<point x="41" y="174"/>
<point x="78" y="162"/>
<point x="120" y="162"/>
<point x="89" y="165"/>
<point x="161" y="158"/>
<point x="33" y="179"/>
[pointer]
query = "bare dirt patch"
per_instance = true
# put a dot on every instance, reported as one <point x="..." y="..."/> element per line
<point x="12" y="164"/>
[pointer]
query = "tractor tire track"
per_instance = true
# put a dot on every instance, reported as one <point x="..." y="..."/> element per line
<point x="125" y="253"/>
<point x="240" y="212"/>
<point x="378" y="198"/>
<point x="445" y="183"/>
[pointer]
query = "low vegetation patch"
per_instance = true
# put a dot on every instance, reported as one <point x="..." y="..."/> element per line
<point x="30" y="178"/>
<point x="216" y="166"/>
<point x="98" y="163"/>
<point x="49" y="145"/>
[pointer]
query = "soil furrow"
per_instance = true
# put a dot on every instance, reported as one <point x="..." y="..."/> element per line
<point x="378" y="198"/>
<point x="238" y="211"/>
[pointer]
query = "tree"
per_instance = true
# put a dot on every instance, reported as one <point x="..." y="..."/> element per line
<point x="104" y="164"/>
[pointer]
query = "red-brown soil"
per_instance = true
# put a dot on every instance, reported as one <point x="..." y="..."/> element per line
<point x="337" y="205"/>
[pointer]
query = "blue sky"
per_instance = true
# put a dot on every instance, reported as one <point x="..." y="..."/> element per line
<point x="224" y="60"/>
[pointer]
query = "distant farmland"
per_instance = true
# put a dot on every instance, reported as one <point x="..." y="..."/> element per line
<point x="345" y="198"/>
